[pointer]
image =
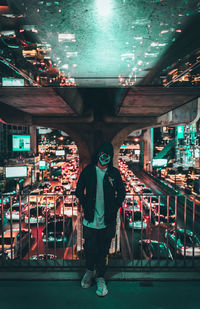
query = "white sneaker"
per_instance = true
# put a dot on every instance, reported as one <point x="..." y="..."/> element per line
<point x="86" y="282"/>
<point x="101" y="287"/>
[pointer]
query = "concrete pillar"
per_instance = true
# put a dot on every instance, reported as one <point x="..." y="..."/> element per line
<point x="90" y="136"/>
<point x="148" y="150"/>
<point x="119" y="138"/>
<point x="33" y="134"/>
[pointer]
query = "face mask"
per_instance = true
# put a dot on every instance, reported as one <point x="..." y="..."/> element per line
<point x="104" y="158"/>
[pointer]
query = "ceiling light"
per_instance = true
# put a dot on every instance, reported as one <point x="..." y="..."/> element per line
<point x="104" y="7"/>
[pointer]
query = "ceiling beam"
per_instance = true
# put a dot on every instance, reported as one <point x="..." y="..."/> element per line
<point x="187" y="113"/>
<point x="11" y="115"/>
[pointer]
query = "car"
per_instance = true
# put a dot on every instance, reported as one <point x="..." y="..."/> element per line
<point x="35" y="195"/>
<point x="146" y="191"/>
<point x="7" y="198"/>
<point x="50" y="201"/>
<point x="33" y="219"/>
<point x="6" y="201"/>
<point x="45" y="187"/>
<point x="135" y="219"/>
<point x="151" y="201"/>
<point x="127" y="188"/>
<point x="57" y="232"/>
<point x="139" y="186"/>
<point x="130" y="202"/>
<point x="69" y="207"/>
<point x="12" y="244"/>
<point x="153" y="249"/>
<point x="185" y="241"/>
<point x="73" y="176"/>
<point x="59" y="189"/>
<point x="163" y="216"/>
<point x="66" y="184"/>
<point x="43" y="257"/>
<point x="134" y="182"/>
<point x="30" y="205"/>
<point x="16" y="211"/>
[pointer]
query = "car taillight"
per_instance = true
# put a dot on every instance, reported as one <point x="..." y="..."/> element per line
<point x="182" y="248"/>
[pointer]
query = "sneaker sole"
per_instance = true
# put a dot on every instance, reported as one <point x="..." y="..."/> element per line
<point x="102" y="295"/>
<point x="86" y="287"/>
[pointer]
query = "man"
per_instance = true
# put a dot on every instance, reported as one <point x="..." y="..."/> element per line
<point x="100" y="190"/>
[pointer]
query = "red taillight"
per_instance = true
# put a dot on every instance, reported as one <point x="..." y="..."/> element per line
<point x="184" y="248"/>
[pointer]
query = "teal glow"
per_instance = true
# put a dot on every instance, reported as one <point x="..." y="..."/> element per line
<point x="188" y="155"/>
<point x="42" y="165"/>
<point x="159" y="162"/>
<point x="180" y="131"/>
<point x="192" y="134"/>
<point x="104" y="7"/>
<point x="21" y="142"/>
<point x="12" y="82"/>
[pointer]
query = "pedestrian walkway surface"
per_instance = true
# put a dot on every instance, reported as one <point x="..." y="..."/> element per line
<point x="123" y="295"/>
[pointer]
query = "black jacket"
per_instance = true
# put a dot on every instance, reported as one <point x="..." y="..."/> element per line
<point x="114" y="191"/>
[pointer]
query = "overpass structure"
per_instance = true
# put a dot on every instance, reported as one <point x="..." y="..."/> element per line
<point x="94" y="115"/>
<point x="99" y="70"/>
<point x="108" y="68"/>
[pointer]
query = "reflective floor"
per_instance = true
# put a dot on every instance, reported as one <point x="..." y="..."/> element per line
<point x="123" y="295"/>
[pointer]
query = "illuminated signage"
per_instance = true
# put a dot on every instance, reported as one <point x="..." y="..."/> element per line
<point x="159" y="162"/>
<point x="16" y="171"/>
<point x="53" y="163"/>
<point x="21" y="143"/>
<point x="60" y="152"/>
<point x="42" y="130"/>
<point x="66" y="37"/>
<point x="12" y="82"/>
<point x="42" y="165"/>
<point x="180" y="131"/>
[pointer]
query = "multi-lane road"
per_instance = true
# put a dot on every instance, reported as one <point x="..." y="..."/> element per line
<point x="129" y="237"/>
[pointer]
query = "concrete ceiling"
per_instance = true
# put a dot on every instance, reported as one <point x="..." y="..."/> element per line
<point x="96" y="104"/>
<point x="152" y="101"/>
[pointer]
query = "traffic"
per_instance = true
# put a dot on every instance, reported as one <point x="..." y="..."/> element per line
<point x="45" y="223"/>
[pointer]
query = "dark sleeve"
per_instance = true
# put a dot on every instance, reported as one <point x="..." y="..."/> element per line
<point x="121" y="193"/>
<point x="80" y="188"/>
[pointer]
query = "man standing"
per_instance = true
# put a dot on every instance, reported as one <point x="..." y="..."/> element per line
<point x="100" y="190"/>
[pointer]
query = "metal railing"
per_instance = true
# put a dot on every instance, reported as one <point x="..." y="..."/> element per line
<point x="161" y="231"/>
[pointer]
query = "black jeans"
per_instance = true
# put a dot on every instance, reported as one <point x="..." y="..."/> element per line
<point x="96" y="247"/>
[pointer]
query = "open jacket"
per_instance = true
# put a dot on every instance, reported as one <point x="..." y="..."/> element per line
<point x="114" y="192"/>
